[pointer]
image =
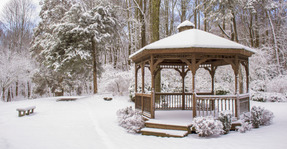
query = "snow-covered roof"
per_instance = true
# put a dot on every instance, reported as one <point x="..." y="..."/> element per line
<point x="193" y="38"/>
<point x="185" y="23"/>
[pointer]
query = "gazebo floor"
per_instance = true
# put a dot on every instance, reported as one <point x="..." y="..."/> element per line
<point x="175" y="123"/>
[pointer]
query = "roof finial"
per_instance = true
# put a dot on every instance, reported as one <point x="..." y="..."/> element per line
<point x="185" y="25"/>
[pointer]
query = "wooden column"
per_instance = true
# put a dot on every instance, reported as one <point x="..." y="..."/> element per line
<point x="247" y="83"/>
<point x="212" y="74"/>
<point x="136" y="78"/>
<point x="193" y="65"/>
<point x="142" y="69"/>
<point x="183" y="87"/>
<point x="152" y="87"/>
<point x="246" y="66"/>
<point x="236" y="70"/>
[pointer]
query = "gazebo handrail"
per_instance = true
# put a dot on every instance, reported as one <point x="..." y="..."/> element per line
<point x="143" y="94"/>
<point x="244" y="95"/>
<point x="216" y="96"/>
<point x="177" y="93"/>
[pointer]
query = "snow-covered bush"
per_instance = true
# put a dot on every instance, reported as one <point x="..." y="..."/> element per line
<point x="258" y="116"/>
<point x="244" y="127"/>
<point x="267" y="117"/>
<point x="130" y="119"/>
<point x="115" y="81"/>
<point x="207" y="126"/>
<point x="278" y="84"/>
<point x="245" y="121"/>
<point x="258" y="85"/>
<point x="268" y="97"/>
<point x="225" y="117"/>
<point x="258" y="96"/>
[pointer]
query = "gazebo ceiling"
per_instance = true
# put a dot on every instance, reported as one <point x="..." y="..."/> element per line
<point x="192" y="41"/>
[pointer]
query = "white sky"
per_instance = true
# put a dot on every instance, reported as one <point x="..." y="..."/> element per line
<point x="4" y="2"/>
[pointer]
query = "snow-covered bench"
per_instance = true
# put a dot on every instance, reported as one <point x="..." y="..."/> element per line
<point x="25" y="111"/>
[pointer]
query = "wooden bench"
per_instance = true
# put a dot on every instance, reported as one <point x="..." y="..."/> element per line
<point x="25" y="111"/>
<point x="108" y="98"/>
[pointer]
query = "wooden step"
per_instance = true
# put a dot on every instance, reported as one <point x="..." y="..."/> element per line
<point x="164" y="132"/>
<point x="234" y="125"/>
<point x="167" y="126"/>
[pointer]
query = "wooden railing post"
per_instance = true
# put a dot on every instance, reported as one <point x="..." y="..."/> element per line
<point x="152" y="104"/>
<point x="237" y="106"/>
<point x="194" y="104"/>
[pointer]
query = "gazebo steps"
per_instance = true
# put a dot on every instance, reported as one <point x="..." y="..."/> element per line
<point x="167" y="126"/>
<point x="165" y="129"/>
<point x="164" y="132"/>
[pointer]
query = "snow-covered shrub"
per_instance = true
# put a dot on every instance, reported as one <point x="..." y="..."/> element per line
<point x="130" y="119"/>
<point x="258" y="116"/>
<point x="258" y="85"/>
<point x="268" y="97"/>
<point x="258" y="96"/>
<point x="267" y="117"/>
<point x="221" y="92"/>
<point x="245" y="121"/>
<point x="244" y="127"/>
<point x="207" y="126"/>
<point x="225" y="117"/>
<point x="223" y="88"/>
<point x="278" y="84"/>
<point x="115" y="81"/>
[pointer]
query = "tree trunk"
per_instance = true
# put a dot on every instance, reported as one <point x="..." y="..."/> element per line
<point x="28" y="89"/>
<point x="3" y="93"/>
<point x="183" y="10"/>
<point x="142" y="5"/>
<point x="166" y="13"/>
<point x="251" y="35"/>
<point x="205" y="16"/>
<point x="8" y="95"/>
<point x="155" y="9"/>
<point x="275" y="43"/>
<point x="256" y="32"/>
<point x="195" y="14"/>
<point x="234" y="26"/>
<point x="129" y="31"/>
<point x="172" y="17"/>
<point x="16" y="88"/>
<point x="94" y="54"/>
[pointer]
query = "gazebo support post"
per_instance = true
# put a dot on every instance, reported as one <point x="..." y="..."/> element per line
<point x="152" y="112"/>
<point x="212" y="74"/>
<point x="142" y="100"/>
<point x="235" y="67"/>
<point x="183" y="86"/>
<point x="193" y="71"/>
<point x="136" y="78"/>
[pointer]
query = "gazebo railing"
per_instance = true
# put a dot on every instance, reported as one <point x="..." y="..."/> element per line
<point x="206" y="105"/>
<point x="143" y="103"/>
<point x="244" y="103"/>
<point x="173" y="101"/>
<point x="213" y="104"/>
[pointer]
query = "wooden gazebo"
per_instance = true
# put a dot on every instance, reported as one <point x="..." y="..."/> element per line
<point x="189" y="50"/>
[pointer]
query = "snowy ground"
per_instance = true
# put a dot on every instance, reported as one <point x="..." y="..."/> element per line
<point x="91" y="123"/>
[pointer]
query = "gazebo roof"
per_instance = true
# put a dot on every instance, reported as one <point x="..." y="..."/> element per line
<point x="185" y="23"/>
<point x="193" y="41"/>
